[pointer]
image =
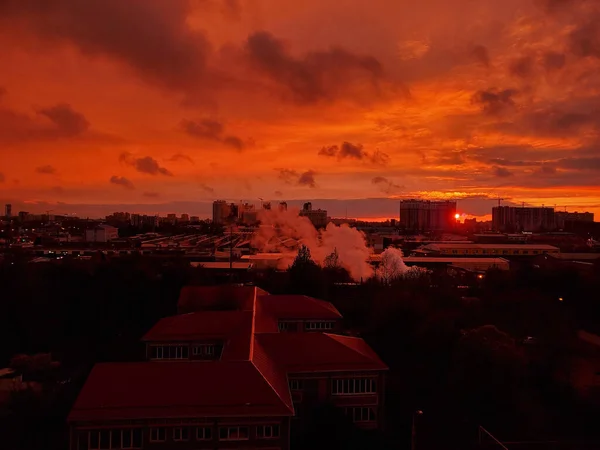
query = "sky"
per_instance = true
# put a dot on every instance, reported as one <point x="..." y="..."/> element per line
<point x="165" y="105"/>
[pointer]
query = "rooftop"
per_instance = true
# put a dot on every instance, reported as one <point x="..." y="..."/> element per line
<point x="298" y="307"/>
<point x="490" y="246"/>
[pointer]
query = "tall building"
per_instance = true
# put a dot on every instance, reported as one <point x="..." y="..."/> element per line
<point x="8" y="210"/>
<point x="221" y="211"/>
<point x="522" y="218"/>
<point x="185" y="217"/>
<point x="427" y="215"/>
<point x="23" y="215"/>
<point x="561" y="217"/>
<point x="237" y="368"/>
<point x="318" y="217"/>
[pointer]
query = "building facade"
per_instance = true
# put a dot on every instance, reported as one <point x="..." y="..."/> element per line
<point x="318" y="217"/>
<point x="562" y="217"/>
<point x="229" y="372"/>
<point x="101" y="233"/>
<point x="426" y="215"/>
<point x="522" y="218"/>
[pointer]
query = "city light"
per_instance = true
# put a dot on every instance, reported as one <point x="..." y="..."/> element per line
<point x="457" y="216"/>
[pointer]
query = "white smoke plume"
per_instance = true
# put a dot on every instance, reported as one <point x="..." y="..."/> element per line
<point x="393" y="267"/>
<point x="285" y="231"/>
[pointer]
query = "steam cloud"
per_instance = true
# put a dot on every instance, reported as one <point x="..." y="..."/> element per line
<point x="286" y="231"/>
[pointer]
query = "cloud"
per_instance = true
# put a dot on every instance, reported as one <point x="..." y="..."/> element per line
<point x="521" y="67"/>
<point x="493" y="101"/>
<point x="480" y="54"/>
<point x="152" y="37"/>
<point x="2" y="92"/>
<point x="122" y="181"/>
<point x="45" y="170"/>
<point x="585" y="164"/>
<point x="68" y="121"/>
<point x="211" y="130"/>
<point x="287" y="175"/>
<point x="206" y="188"/>
<point x="386" y="185"/>
<point x="307" y="179"/>
<point x="316" y="76"/>
<point x="553" y="60"/>
<point x="58" y="190"/>
<point x="278" y="194"/>
<point x="354" y="151"/>
<point x="2" y="178"/>
<point x="501" y="172"/>
<point x="145" y="164"/>
<point x="181" y="157"/>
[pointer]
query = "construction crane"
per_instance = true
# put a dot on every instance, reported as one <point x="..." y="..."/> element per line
<point x="499" y="200"/>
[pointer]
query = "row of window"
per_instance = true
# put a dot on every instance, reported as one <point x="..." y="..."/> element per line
<point x="126" y="438"/>
<point x="342" y="386"/>
<point x="310" y="326"/>
<point x="233" y="433"/>
<point x="207" y="351"/>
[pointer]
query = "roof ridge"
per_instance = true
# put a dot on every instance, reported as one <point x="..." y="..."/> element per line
<point x="336" y="337"/>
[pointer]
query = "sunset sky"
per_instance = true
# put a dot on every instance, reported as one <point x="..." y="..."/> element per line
<point x="165" y="105"/>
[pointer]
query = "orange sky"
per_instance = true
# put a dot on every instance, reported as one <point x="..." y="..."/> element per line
<point x="147" y="102"/>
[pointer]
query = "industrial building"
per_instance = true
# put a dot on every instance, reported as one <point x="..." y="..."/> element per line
<point x="318" y="217"/>
<point x="522" y="218"/>
<point x="101" y="233"/>
<point x="426" y="215"/>
<point x="486" y="249"/>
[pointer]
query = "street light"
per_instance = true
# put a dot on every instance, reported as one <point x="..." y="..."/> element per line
<point x="413" y="441"/>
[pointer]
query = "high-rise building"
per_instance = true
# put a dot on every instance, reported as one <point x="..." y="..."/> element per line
<point x="427" y="215"/>
<point x="318" y="217"/>
<point x="185" y="217"/>
<point x="23" y="216"/>
<point x="8" y="210"/>
<point x="221" y="211"/>
<point x="561" y="217"/>
<point x="522" y="218"/>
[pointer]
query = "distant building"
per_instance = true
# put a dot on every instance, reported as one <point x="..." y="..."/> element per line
<point x="427" y="215"/>
<point x="119" y="216"/>
<point x="562" y="217"/>
<point x="185" y="217"/>
<point x="282" y="206"/>
<point x="8" y="211"/>
<point x="468" y="249"/>
<point x="522" y="218"/>
<point x="230" y="371"/>
<point x="194" y="219"/>
<point x="318" y="217"/>
<point x="222" y="212"/>
<point x="23" y="216"/>
<point x="101" y="233"/>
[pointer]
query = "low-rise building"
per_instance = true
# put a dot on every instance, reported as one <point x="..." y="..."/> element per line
<point x="460" y="249"/>
<point x="101" y="233"/>
<point x="229" y="372"/>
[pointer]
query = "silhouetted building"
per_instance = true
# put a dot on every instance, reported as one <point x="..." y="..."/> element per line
<point x="426" y="215"/>
<point x="562" y="217"/>
<point x="101" y="233"/>
<point x="230" y="372"/>
<point x="23" y="216"/>
<point x="318" y="217"/>
<point x="282" y="206"/>
<point x="522" y="218"/>
<point x="221" y="212"/>
<point x="8" y="210"/>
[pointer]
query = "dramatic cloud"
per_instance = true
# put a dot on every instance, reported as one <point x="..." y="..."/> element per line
<point x="553" y="61"/>
<point x="122" y="181"/>
<point x="2" y="178"/>
<point x="317" y="76"/>
<point x="386" y="185"/>
<point x="354" y="151"/>
<point x="206" y="188"/>
<point x="522" y="67"/>
<point x="287" y="175"/>
<point x="502" y="172"/>
<point x="152" y="37"/>
<point x="68" y="121"/>
<point x="211" y="130"/>
<point x="493" y="101"/>
<point x="307" y="179"/>
<point x="480" y="54"/>
<point x="151" y="194"/>
<point x="45" y="170"/>
<point x="181" y="157"/>
<point x="145" y="164"/>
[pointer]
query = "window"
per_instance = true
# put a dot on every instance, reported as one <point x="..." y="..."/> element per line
<point x="158" y="434"/>
<point x="267" y="431"/>
<point x="296" y="385"/>
<point x="319" y="325"/>
<point x="204" y="350"/>
<point x="343" y="386"/>
<point x="203" y="433"/>
<point x="283" y="326"/>
<point x="169" y="352"/>
<point x="233" y="434"/>
<point x="181" y="434"/>
<point x="112" y="439"/>
<point x="361" y="414"/>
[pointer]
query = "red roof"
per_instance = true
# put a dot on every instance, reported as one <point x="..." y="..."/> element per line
<point x="144" y="390"/>
<point x="224" y="297"/>
<point x="298" y="307"/>
<point x="319" y="352"/>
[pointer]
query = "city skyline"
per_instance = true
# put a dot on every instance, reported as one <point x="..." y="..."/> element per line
<point x="197" y="100"/>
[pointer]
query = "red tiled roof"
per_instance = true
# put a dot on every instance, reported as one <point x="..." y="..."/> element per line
<point x="197" y="298"/>
<point x="298" y="307"/>
<point x="145" y="390"/>
<point x="319" y="352"/>
<point x="273" y="373"/>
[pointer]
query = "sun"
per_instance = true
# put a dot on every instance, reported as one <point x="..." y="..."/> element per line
<point x="457" y="216"/>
